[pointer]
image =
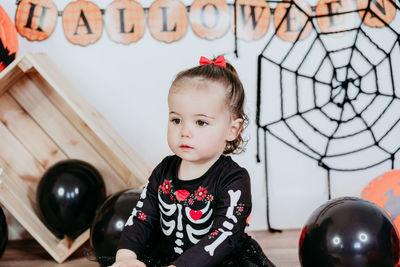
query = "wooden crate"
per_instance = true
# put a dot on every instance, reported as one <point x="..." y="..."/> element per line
<point x="43" y="120"/>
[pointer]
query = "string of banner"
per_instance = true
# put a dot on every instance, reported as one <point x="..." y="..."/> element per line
<point x="167" y="20"/>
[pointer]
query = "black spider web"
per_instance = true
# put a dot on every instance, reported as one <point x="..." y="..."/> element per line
<point x="332" y="101"/>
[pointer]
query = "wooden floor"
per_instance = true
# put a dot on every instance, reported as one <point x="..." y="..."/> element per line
<point x="281" y="249"/>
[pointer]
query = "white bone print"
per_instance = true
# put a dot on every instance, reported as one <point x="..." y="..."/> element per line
<point x="170" y="226"/>
<point x="139" y="204"/>
<point x="211" y="248"/>
<point x="129" y="222"/>
<point x="166" y="209"/>
<point x="234" y="196"/>
<point x="178" y="250"/>
<point x="180" y="227"/>
<point x="143" y="195"/>
<point x="191" y="231"/>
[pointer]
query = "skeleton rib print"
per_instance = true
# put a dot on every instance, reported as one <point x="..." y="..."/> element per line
<point x="201" y="221"/>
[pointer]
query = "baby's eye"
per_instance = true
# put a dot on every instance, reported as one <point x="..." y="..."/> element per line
<point x="201" y="123"/>
<point x="176" y="121"/>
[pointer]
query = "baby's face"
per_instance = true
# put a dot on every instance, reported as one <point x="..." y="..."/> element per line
<point x="199" y="121"/>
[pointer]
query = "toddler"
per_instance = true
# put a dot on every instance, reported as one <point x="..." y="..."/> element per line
<point x="195" y="206"/>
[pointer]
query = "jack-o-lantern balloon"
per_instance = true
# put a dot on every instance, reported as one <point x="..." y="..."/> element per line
<point x="384" y="191"/>
<point x="8" y="40"/>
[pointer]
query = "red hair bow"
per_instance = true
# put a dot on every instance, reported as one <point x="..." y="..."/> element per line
<point x="220" y="61"/>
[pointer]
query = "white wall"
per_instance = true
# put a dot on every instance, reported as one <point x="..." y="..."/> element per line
<point x="129" y="85"/>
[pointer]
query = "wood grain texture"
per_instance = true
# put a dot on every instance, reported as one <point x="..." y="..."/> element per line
<point x="44" y="120"/>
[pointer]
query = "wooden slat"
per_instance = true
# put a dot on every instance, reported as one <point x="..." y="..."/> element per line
<point x="19" y="159"/>
<point x="118" y="166"/>
<point x="9" y="76"/>
<point x="22" y="253"/>
<point x="16" y="201"/>
<point x="91" y="123"/>
<point x="68" y="139"/>
<point x="28" y="132"/>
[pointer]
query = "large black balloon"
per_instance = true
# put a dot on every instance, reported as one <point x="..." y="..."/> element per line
<point x="3" y="232"/>
<point x="109" y="222"/>
<point x="68" y="196"/>
<point x="348" y="232"/>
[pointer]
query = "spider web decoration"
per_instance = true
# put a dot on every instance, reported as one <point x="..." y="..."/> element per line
<point x="333" y="96"/>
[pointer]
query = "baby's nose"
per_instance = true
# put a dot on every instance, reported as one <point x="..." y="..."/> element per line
<point x="185" y="131"/>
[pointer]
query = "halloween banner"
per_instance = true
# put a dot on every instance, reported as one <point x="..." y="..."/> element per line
<point x="168" y="20"/>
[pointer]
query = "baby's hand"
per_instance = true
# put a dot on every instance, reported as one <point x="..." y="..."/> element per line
<point x="127" y="258"/>
<point x="129" y="263"/>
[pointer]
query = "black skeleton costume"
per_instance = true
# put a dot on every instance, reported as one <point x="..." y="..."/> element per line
<point x="202" y="221"/>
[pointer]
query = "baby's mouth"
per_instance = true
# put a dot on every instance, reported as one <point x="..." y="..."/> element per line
<point x="185" y="146"/>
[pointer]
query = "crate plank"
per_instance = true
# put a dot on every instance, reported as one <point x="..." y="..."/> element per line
<point x="19" y="159"/>
<point x="24" y="211"/>
<point x="90" y="122"/>
<point x="74" y="118"/>
<point x="71" y="142"/>
<point x="10" y="75"/>
<point x="28" y="132"/>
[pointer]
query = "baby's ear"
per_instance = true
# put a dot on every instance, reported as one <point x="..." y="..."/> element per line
<point x="235" y="129"/>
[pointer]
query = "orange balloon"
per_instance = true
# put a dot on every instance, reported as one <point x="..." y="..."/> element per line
<point x="384" y="191"/>
<point x="8" y="39"/>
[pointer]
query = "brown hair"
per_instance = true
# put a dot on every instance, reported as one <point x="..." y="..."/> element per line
<point x="235" y="96"/>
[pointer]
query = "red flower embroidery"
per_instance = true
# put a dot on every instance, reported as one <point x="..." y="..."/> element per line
<point x="214" y="233"/>
<point x="201" y="193"/>
<point x="166" y="186"/>
<point x="171" y="196"/>
<point x="240" y="208"/>
<point x="142" y="216"/>
<point x="182" y="195"/>
<point x="190" y="201"/>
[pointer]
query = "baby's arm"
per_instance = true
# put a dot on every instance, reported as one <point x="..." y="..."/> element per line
<point x="140" y="224"/>
<point x="127" y="258"/>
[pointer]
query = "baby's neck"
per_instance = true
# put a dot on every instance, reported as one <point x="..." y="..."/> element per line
<point x="192" y="170"/>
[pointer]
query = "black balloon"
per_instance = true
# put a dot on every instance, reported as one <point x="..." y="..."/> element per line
<point x="68" y="196"/>
<point x="109" y="222"/>
<point x="3" y="232"/>
<point x="349" y="231"/>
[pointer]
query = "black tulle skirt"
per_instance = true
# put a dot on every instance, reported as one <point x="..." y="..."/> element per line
<point x="251" y="255"/>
